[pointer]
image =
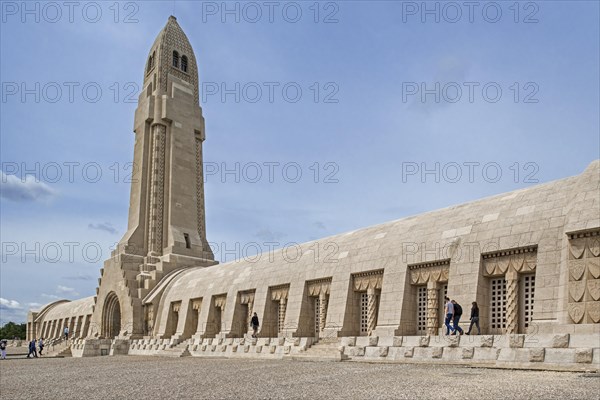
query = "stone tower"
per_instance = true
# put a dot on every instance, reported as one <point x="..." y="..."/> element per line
<point x="166" y="226"/>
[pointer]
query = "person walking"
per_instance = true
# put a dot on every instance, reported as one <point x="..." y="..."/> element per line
<point x="32" y="351"/>
<point x="66" y="332"/>
<point x="3" y="349"/>
<point x="456" y="318"/>
<point x="474" y="318"/>
<point x="41" y="345"/>
<point x="254" y="324"/>
<point x="449" y="311"/>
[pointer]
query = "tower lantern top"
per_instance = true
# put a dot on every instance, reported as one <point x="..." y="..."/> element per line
<point x="171" y="54"/>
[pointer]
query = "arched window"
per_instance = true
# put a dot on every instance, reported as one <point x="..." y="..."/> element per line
<point x="184" y="63"/>
<point x="149" y="64"/>
<point x="176" y="59"/>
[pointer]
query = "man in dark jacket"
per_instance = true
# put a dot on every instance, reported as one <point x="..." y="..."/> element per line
<point x="32" y="350"/>
<point x="254" y="324"/>
<point x="456" y="319"/>
<point x="474" y="318"/>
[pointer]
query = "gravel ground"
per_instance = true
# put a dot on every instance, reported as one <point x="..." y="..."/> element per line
<point x="132" y="377"/>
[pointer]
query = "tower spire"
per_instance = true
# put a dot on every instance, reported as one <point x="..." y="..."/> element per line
<point x="166" y="227"/>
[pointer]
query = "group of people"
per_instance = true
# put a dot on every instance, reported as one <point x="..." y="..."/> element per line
<point x="33" y="345"/>
<point x="454" y="311"/>
<point x="40" y="344"/>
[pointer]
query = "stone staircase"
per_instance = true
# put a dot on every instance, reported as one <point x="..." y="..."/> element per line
<point x="325" y="350"/>
<point x="179" y="350"/>
<point x="58" y="349"/>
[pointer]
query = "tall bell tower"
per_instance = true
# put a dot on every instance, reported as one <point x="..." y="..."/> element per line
<point x="166" y="211"/>
<point x="166" y="226"/>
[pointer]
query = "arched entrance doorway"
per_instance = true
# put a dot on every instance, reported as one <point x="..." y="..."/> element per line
<point x="111" y="316"/>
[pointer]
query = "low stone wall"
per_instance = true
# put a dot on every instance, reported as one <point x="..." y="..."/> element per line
<point x="557" y="352"/>
<point x="562" y="352"/>
<point x="99" y="347"/>
<point x="149" y="347"/>
<point x="271" y="348"/>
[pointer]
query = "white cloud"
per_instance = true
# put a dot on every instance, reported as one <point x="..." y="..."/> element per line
<point x="66" y="290"/>
<point x="269" y="236"/>
<point x="107" y="226"/>
<point x="6" y="304"/>
<point x="50" y="296"/>
<point x="26" y="189"/>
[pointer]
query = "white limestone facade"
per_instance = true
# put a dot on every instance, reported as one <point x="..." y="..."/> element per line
<point x="529" y="258"/>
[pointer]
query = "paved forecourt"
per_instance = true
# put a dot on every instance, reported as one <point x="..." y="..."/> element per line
<point x="121" y="377"/>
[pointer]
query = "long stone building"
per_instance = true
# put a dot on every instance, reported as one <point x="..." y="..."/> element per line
<point x="530" y="258"/>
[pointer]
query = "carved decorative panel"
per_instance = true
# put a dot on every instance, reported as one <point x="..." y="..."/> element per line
<point x="280" y="292"/>
<point x="522" y="260"/>
<point x="316" y="287"/>
<point x="368" y="280"/>
<point x="247" y="297"/>
<point x="434" y="271"/>
<point x="196" y="304"/>
<point x="220" y="301"/>
<point x="584" y="277"/>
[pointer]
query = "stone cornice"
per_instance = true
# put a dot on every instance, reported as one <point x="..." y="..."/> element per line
<point x="583" y="233"/>
<point x="429" y="264"/>
<point x="510" y="252"/>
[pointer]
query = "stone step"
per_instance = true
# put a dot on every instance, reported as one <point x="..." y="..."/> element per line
<point x="329" y="357"/>
<point x="175" y="352"/>
<point x="65" y="353"/>
<point x="58" y="352"/>
<point x="327" y="345"/>
<point x="325" y="348"/>
<point x="323" y="351"/>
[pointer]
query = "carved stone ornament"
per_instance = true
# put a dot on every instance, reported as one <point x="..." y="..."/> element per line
<point x="196" y="304"/>
<point x="368" y="280"/>
<point x="280" y="292"/>
<point x="315" y="288"/>
<point x="522" y="260"/>
<point x="576" y="311"/>
<point x="220" y="301"/>
<point x="434" y="271"/>
<point x="576" y="269"/>
<point x="247" y="297"/>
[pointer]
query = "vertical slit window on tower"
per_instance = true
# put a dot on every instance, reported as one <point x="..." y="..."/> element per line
<point x="184" y="63"/>
<point x="149" y="64"/>
<point x="176" y="59"/>
<point x="188" y="244"/>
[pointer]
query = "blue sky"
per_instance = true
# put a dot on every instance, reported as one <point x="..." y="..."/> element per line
<point x="367" y="130"/>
